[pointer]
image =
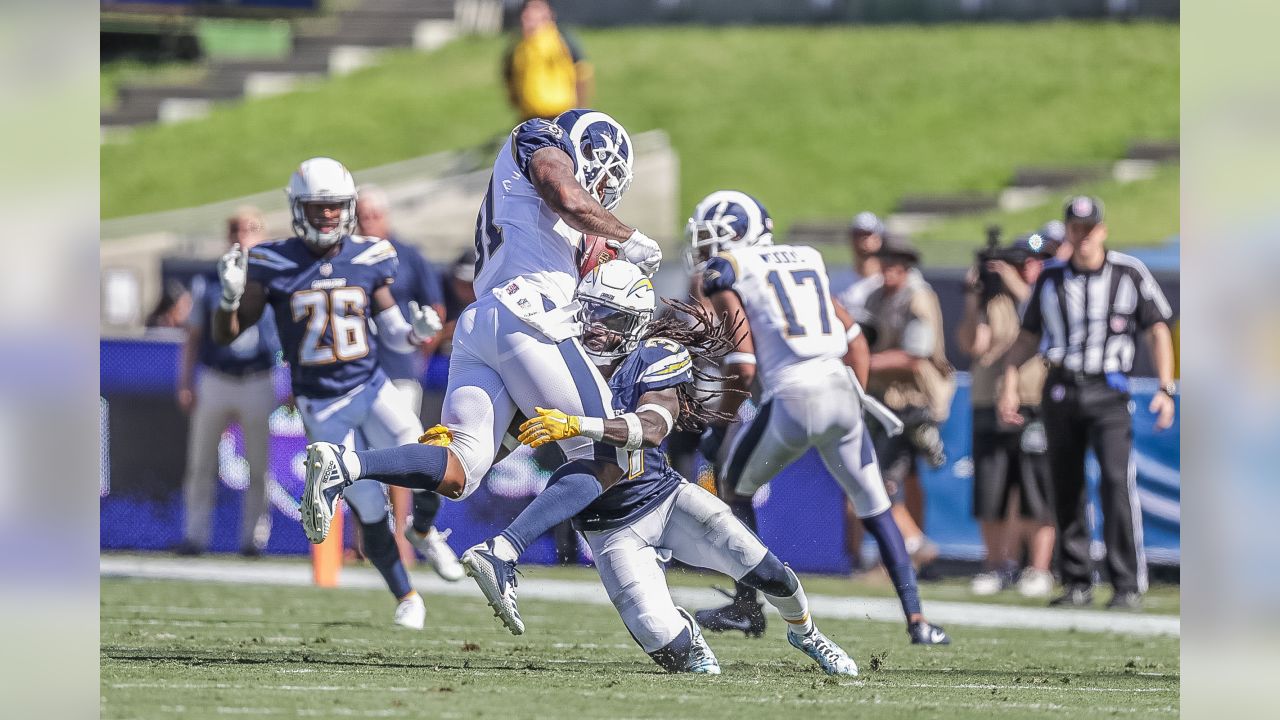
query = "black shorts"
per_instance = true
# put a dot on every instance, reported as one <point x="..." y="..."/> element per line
<point x="1000" y="464"/>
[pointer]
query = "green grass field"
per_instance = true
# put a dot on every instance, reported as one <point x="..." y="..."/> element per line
<point x="180" y="649"/>
<point x="818" y="122"/>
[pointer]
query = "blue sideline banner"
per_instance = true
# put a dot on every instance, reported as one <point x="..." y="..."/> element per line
<point x="801" y="513"/>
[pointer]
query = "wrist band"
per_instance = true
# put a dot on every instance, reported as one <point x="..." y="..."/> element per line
<point x="854" y="331"/>
<point x="635" y="432"/>
<point x="591" y="427"/>
<point x="229" y="305"/>
<point x="662" y="412"/>
<point x="740" y="358"/>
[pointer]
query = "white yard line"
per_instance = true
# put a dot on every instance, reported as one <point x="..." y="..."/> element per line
<point x="830" y="606"/>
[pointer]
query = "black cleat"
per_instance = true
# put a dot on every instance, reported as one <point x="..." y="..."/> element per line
<point x="924" y="633"/>
<point x="1074" y="596"/>
<point x="744" y="615"/>
<point x="1125" y="601"/>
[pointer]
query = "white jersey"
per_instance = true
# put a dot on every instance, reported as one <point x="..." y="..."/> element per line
<point x="786" y="295"/>
<point x="517" y="234"/>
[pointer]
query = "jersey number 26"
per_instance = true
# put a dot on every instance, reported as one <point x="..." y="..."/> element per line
<point x="341" y="309"/>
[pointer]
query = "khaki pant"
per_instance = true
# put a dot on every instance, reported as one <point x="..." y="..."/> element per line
<point x="220" y="399"/>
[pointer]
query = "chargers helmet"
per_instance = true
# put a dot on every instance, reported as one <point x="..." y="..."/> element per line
<point x="724" y="220"/>
<point x="602" y="151"/>
<point x="616" y="304"/>
<point x="322" y="180"/>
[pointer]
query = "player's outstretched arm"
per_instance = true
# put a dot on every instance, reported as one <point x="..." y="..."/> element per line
<point x="229" y="323"/>
<point x="551" y="172"/>
<point x="652" y="421"/>
<point x="858" y="357"/>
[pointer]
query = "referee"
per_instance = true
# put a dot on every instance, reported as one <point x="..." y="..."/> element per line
<point x="1084" y="315"/>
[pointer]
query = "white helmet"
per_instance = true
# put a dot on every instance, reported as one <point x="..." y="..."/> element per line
<point x="322" y="180"/>
<point x="617" y="303"/>
<point x="603" y="153"/>
<point x="724" y="220"/>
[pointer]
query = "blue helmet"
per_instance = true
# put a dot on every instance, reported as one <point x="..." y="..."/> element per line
<point x="724" y="220"/>
<point x="602" y="152"/>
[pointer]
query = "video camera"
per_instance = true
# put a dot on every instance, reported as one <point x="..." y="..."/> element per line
<point x="989" y="280"/>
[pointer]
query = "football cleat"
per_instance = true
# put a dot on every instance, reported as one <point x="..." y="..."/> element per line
<point x="924" y="633"/>
<point x="436" y="551"/>
<point x="411" y="612"/>
<point x="701" y="659"/>
<point x="497" y="580"/>
<point x="326" y="478"/>
<point x="743" y="615"/>
<point x="1125" y="601"/>
<point x="830" y="657"/>
<point x="1035" y="583"/>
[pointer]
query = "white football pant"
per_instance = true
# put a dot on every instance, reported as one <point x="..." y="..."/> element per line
<point x="500" y="364"/>
<point x="374" y="416"/>
<point x="823" y="411"/>
<point x="692" y="526"/>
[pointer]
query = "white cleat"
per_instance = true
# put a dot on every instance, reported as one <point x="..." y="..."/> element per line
<point x="830" y="657"/>
<point x="1035" y="583"/>
<point x="325" y="479"/>
<point x="411" y="612"/>
<point x="497" y="580"/>
<point x="437" y="552"/>
<point x="701" y="660"/>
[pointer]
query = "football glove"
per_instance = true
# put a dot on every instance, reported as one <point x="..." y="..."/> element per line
<point x="641" y="251"/>
<point x="549" y="426"/>
<point x="233" y="273"/>
<point x="438" y="435"/>
<point x="425" y="321"/>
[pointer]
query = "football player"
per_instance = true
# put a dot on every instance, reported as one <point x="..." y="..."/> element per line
<point x="323" y="285"/>
<point x="515" y="348"/>
<point x="800" y="346"/>
<point x="653" y="514"/>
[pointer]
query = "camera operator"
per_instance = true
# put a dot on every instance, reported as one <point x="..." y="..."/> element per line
<point x="910" y="374"/>
<point x="1009" y="462"/>
<point x="1089" y="312"/>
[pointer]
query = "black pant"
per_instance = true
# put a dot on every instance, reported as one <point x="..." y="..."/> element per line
<point x="1079" y="413"/>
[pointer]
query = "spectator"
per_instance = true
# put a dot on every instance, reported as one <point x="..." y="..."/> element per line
<point x="1086" y="314"/>
<point x="866" y="234"/>
<point x="234" y="383"/>
<point x="545" y="70"/>
<point x="173" y="309"/>
<point x="911" y="375"/>
<point x="1009" y="462"/>
<point x="416" y="281"/>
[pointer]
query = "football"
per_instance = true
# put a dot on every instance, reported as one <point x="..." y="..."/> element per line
<point x="595" y="251"/>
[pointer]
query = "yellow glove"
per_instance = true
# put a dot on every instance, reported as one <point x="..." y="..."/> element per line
<point x="549" y="426"/>
<point x="436" y="435"/>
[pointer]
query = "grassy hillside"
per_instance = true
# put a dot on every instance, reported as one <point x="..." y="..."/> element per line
<point x="818" y="122"/>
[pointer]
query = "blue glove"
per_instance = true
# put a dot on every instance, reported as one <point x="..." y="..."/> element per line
<point x="710" y="443"/>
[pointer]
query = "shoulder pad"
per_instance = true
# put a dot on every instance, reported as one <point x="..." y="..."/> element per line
<point x="720" y="273"/>
<point x="531" y="136"/>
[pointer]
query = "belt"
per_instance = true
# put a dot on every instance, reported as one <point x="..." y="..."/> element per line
<point x="1058" y="372"/>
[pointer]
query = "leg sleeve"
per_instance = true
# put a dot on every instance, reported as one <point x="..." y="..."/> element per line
<point x="637" y="586"/>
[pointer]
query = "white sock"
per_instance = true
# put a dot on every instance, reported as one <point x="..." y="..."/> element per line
<point x="352" y="463"/>
<point x="793" y="608"/>
<point x="503" y="549"/>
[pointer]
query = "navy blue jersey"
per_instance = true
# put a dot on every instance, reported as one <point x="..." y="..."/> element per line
<point x="256" y="349"/>
<point x="658" y="364"/>
<point x="419" y="281"/>
<point x="322" y="309"/>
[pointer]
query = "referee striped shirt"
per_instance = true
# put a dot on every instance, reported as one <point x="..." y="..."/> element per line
<point x="1088" y="320"/>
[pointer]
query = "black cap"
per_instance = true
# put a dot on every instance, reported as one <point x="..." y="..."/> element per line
<point x="1083" y="208"/>
<point x="900" y="248"/>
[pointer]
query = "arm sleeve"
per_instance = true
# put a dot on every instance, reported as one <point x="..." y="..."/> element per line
<point x="1153" y="307"/>
<point x="718" y="275"/>
<point x="1032" y="319"/>
<point x="533" y="135"/>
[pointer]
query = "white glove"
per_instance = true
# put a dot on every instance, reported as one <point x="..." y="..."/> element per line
<point x="425" y="321"/>
<point x="642" y="251"/>
<point x="233" y="273"/>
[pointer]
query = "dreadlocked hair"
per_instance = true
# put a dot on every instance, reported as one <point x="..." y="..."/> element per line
<point x="707" y="338"/>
